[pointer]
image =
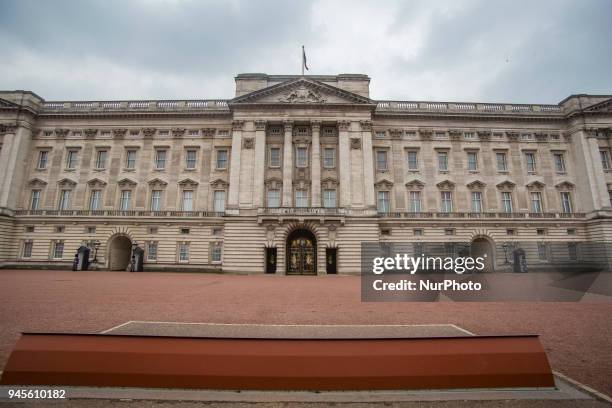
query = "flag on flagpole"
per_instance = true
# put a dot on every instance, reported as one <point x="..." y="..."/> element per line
<point x="304" y="65"/>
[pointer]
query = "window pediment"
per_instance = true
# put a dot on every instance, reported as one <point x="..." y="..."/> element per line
<point x="65" y="182"/>
<point x="506" y="185"/>
<point x="36" y="182"/>
<point x="188" y="183"/>
<point x="476" y="185"/>
<point x="274" y="183"/>
<point x="535" y="186"/>
<point x="565" y="185"/>
<point x="219" y="183"/>
<point x="446" y="185"/>
<point x="329" y="182"/>
<point x="384" y="183"/>
<point x="157" y="183"/>
<point x="415" y="185"/>
<point x="96" y="183"/>
<point x="126" y="182"/>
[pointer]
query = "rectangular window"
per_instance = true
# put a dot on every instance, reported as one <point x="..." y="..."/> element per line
<point x="219" y="201"/>
<point x="443" y="161"/>
<point x="221" y="159"/>
<point x="559" y="163"/>
<point x="35" y="200"/>
<point x="275" y="157"/>
<point x="152" y="251"/>
<point x="476" y="201"/>
<point x="415" y="201"/>
<point x="215" y="252"/>
<point x="94" y="200"/>
<point x="71" y="159"/>
<point x="566" y="202"/>
<point x="531" y="162"/>
<point x="274" y="198"/>
<point x="43" y="157"/>
<point x="101" y="159"/>
<point x="447" y="201"/>
<point x="301" y="198"/>
<point x="507" y="202"/>
<point x="27" y="249"/>
<point x="160" y="159"/>
<point x="542" y="251"/>
<point x="329" y="158"/>
<point x="502" y="161"/>
<point x="183" y="252"/>
<point x="472" y="158"/>
<point x="156" y="200"/>
<point x="190" y="159"/>
<point x="124" y="200"/>
<point x="384" y="206"/>
<point x="187" y="200"/>
<point x="536" y="202"/>
<point x="329" y="198"/>
<point x="64" y="203"/>
<point x="605" y="159"/>
<point x="130" y="159"/>
<point x="381" y="160"/>
<point x="58" y="250"/>
<point x="301" y="159"/>
<point x="413" y="160"/>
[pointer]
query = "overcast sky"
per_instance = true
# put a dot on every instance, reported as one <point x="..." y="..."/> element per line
<point x="473" y="50"/>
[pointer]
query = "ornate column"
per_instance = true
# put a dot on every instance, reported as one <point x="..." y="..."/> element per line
<point x="260" y="163"/>
<point x="14" y="158"/>
<point x="368" y="165"/>
<point x="288" y="165"/>
<point x="344" y="164"/>
<point x="234" y="183"/>
<point x="316" y="164"/>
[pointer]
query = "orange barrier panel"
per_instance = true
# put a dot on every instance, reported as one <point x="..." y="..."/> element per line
<point x="278" y="364"/>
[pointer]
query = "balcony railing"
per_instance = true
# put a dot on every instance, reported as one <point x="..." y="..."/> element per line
<point x="301" y="211"/>
<point x="118" y="213"/>
<point x="482" y="215"/>
<point x="110" y="106"/>
<point x="466" y="107"/>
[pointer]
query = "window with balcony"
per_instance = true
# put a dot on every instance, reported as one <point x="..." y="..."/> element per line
<point x="35" y="200"/>
<point x="566" y="202"/>
<point x="476" y="201"/>
<point x="95" y="200"/>
<point x="301" y="198"/>
<point x="446" y="199"/>
<point x="187" y="201"/>
<point x="274" y="198"/>
<point x="64" y="202"/>
<point x="536" y="202"/>
<point x="156" y="200"/>
<point x="219" y="201"/>
<point x="506" y="202"/>
<point x="415" y="201"/>
<point x="383" y="202"/>
<point x="329" y="198"/>
<point x="124" y="200"/>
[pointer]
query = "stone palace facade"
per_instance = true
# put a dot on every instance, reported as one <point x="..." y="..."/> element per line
<point x="294" y="173"/>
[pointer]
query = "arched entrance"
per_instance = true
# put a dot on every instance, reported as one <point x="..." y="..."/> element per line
<point x="119" y="253"/>
<point x="301" y="253"/>
<point x="482" y="247"/>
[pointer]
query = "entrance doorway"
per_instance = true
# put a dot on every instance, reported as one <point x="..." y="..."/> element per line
<point x="119" y="253"/>
<point x="483" y="248"/>
<point x="301" y="253"/>
<point x="331" y="260"/>
<point x="271" y="260"/>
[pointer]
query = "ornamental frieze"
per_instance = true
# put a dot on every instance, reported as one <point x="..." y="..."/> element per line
<point x="355" y="143"/>
<point x="302" y="95"/>
<point x="149" y="132"/>
<point x="178" y="132"/>
<point x="248" y="143"/>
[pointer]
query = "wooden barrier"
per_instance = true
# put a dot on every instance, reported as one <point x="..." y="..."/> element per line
<point x="278" y="364"/>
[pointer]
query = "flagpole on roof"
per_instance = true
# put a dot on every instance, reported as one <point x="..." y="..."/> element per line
<point x="303" y="54"/>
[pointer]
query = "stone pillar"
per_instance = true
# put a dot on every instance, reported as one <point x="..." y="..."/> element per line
<point x="368" y="165"/>
<point x="288" y="165"/>
<point x="344" y="165"/>
<point x="234" y="182"/>
<point x="590" y="179"/>
<point x="259" y="163"/>
<point x="14" y="158"/>
<point x="316" y="164"/>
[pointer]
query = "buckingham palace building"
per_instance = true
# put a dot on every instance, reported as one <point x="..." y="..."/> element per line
<point x="293" y="174"/>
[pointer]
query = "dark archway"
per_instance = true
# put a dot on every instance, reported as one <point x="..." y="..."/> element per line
<point x="119" y="253"/>
<point x="480" y="247"/>
<point x="301" y="252"/>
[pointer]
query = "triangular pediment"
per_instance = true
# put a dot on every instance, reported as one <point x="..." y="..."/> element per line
<point x="476" y="185"/>
<point x="301" y="91"/>
<point x="604" y="106"/>
<point x="7" y="104"/>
